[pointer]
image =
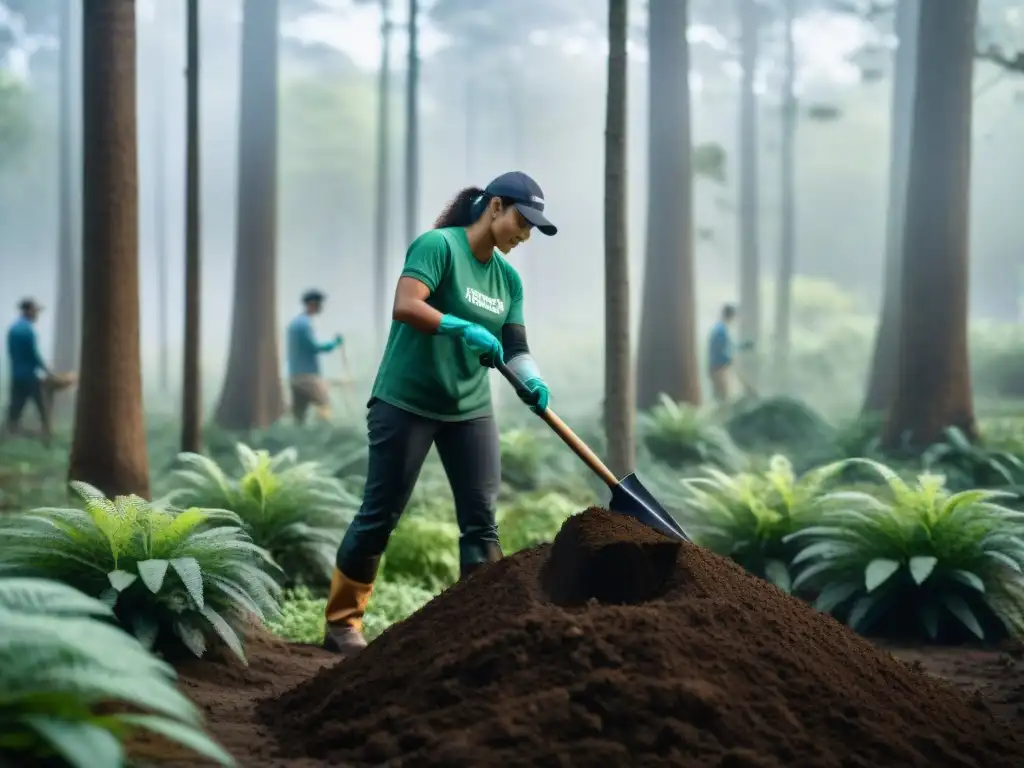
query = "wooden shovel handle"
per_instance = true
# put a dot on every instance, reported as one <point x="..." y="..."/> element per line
<point x="562" y="429"/>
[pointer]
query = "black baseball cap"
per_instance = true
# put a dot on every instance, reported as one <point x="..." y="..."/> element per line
<point x="29" y="304"/>
<point x="528" y="197"/>
<point x="313" y="295"/>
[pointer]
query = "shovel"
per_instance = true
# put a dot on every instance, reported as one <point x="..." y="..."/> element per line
<point x="629" y="497"/>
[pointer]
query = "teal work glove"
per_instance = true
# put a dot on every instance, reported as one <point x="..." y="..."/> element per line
<point x="476" y="337"/>
<point x="338" y="340"/>
<point x="536" y="394"/>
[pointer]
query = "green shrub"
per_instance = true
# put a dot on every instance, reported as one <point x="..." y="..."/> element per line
<point x="523" y="456"/>
<point x="681" y="435"/>
<point x="302" y="614"/>
<point x="913" y="557"/>
<point x="295" y="511"/>
<point x="781" y="422"/>
<point x="74" y="688"/>
<point x="423" y="551"/>
<point x="967" y="465"/>
<point x="174" y="578"/>
<point x="533" y="519"/>
<point x="747" y="517"/>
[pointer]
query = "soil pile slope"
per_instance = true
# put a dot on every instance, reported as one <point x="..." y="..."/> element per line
<point x="615" y="646"/>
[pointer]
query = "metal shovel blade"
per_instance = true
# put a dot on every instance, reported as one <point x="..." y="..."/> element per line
<point x="630" y="497"/>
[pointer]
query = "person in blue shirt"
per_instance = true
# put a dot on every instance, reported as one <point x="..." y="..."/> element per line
<point x="307" y="384"/>
<point x="721" y="352"/>
<point x="26" y="366"/>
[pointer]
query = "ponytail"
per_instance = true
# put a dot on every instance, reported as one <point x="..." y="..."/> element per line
<point x="463" y="210"/>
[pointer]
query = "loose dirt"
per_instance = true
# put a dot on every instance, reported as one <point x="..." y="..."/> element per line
<point x="610" y="647"/>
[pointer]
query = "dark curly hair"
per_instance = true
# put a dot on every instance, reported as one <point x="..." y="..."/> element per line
<point x="466" y="207"/>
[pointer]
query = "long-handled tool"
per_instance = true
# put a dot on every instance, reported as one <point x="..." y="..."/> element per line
<point x="629" y="497"/>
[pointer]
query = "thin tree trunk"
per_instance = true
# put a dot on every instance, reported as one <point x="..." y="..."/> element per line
<point x="65" y="355"/>
<point x="412" y="127"/>
<point x="252" y="397"/>
<point x="668" y="324"/>
<point x="192" y="392"/>
<point x="933" y="382"/>
<point x="383" y="177"/>
<point x="750" y="260"/>
<point x="882" y="380"/>
<point x="787" y="239"/>
<point x="109" y="446"/>
<point x="619" y="414"/>
<point x="160" y="193"/>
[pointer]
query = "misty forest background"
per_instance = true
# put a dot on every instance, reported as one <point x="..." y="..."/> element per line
<point x="806" y="196"/>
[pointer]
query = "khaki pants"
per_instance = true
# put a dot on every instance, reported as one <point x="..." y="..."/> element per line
<point x="720" y="383"/>
<point x="309" y="389"/>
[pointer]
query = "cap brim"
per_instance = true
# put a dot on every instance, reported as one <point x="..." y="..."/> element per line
<point x="537" y="219"/>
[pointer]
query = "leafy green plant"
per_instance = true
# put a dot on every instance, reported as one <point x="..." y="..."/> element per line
<point x="173" y="577"/>
<point x="523" y="456"/>
<point x="294" y="510"/>
<point x="302" y="614"/>
<point x="969" y="465"/>
<point x="912" y="557"/>
<point x="681" y="435"/>
<point x="747" y="517"/>
<point x="423" y="551"/>
<point x="75" y="688"/>
<point x="533" y="519"/>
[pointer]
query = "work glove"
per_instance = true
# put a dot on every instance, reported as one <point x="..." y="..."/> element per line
<point x="338" y="340"/>
<point x="536" y="394"/>
<point x="474" y="336"/>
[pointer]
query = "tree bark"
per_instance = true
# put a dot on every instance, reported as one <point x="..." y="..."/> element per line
<point x="252" y="397"/>
<point x="381" y="294"/>
<point x="67" y="331"/>
<point x="160" y="194"/>
<point x="750" y="260"/>
<point x="668" y="324"/>
<point x="933" y="382"/>
<point x="412" y="127"/>
<point x="619" y="413"/>
<point x="109" y="446"/>
<point x="787" y="238"/>
<point x="882" y="379"/>
<point x="192" y="393"/>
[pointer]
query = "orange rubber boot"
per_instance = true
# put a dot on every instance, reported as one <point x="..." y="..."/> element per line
<point x="346" y="605"/>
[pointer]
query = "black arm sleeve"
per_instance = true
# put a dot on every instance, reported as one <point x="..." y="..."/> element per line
<point x="513" y="340"/>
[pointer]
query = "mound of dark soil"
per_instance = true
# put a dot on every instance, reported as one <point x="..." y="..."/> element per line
<point x="697" y="664"/>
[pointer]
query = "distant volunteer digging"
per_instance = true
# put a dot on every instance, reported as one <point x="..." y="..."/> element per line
<point x="457" y="296"/>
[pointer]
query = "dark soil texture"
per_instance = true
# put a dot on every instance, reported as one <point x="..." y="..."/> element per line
<point x="674" y="656"/>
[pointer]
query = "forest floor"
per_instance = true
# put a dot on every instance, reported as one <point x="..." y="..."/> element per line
<point x="228" y="693"/>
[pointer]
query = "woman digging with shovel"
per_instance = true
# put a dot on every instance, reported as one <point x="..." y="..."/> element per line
<point x="457" y="308"/>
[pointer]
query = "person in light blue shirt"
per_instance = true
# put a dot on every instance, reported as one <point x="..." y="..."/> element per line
<point x="721" y="351"/>
<point x="26" y="366"/>
<point x="305" y="380"/>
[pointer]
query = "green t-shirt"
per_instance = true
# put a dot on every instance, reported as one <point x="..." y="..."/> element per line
<point x="439" y="376"/>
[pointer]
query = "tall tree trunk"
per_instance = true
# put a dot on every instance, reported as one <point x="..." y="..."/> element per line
<point x="412" y="127"/>
<point x="252" y="397"/>
<point x="933" y="381"/>
<point x="668" y="323"/>
<point x="162" y="14"/>
<point x="191" y="386"/>
<point x="787" y="239"/>
<point x="882" y="381"/>
<point x="65" y="355"/>
<point x="383" y="178"/>
<point x="109" y="446"/>
<point x="619" y="416"/>
<point x="750" y="260"/>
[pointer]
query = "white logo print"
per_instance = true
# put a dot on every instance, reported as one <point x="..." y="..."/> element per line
<point x="474" y="297"/>
<point x="537" y="199"/>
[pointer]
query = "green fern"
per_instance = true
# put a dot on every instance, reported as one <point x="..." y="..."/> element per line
<point x="294" y="510"/>
<point x="681" y="435"/>
<point x="173" y="577"/>
<point x="60" y="662"/>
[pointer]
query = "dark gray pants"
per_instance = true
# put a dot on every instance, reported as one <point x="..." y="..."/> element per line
<point x="399" y="443"/>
